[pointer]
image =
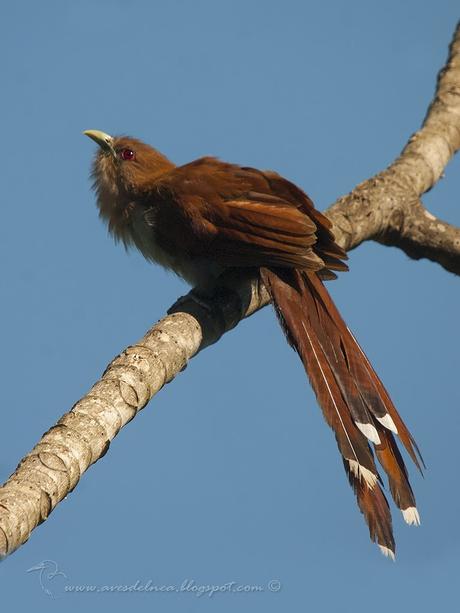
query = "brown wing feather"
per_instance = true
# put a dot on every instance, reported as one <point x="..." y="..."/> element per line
<point x="244" y="217"/>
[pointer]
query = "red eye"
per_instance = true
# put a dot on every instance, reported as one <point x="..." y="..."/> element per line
<point x="127" y="154"/>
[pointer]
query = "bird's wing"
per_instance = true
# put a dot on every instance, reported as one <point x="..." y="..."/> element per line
<point x="242" y="217"/>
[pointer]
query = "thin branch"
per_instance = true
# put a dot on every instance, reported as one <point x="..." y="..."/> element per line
<point x="384" y="208"/>
<point x="387" y="207"/>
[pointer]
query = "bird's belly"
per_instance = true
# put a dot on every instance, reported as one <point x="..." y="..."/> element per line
<point x="198" y="272"/>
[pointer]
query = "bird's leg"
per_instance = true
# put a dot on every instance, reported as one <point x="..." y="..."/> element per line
<point x="198" y="295"/>
<point x="232" y="284"/>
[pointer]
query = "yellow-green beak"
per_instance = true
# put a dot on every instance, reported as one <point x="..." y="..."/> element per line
<point x="105" y="141"/>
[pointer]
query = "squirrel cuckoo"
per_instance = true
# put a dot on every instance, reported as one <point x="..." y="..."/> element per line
<point x="207" y="216"/>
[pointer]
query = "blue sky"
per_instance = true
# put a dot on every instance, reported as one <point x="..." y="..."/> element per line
<point x="230" y="474"/>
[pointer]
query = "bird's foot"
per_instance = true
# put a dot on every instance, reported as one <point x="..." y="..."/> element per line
<point x="195" y="295"/>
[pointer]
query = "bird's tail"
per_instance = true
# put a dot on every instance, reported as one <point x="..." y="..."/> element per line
<point x="353" y="399"/>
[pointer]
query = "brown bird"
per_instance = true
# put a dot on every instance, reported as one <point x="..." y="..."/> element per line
<point x="205" y="217"/>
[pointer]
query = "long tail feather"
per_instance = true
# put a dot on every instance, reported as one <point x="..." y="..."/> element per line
<point x="374" y="506"/>
<point x="390" y="458"/>
<point x="353" y="399"/>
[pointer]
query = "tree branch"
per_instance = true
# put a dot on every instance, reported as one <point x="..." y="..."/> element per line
<point x="386" y="208"/>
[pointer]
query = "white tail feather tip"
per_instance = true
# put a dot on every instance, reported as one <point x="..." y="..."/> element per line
<point x="363" y="473"/>
<point x="411" y="516"/>
<point x="369" y="432"/>
<point x="388" y="422"/>
<point x="387" y="552"/>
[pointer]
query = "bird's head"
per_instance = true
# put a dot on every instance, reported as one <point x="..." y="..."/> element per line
<point x="123" y="163"/>
<point x="124" y="169"/>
